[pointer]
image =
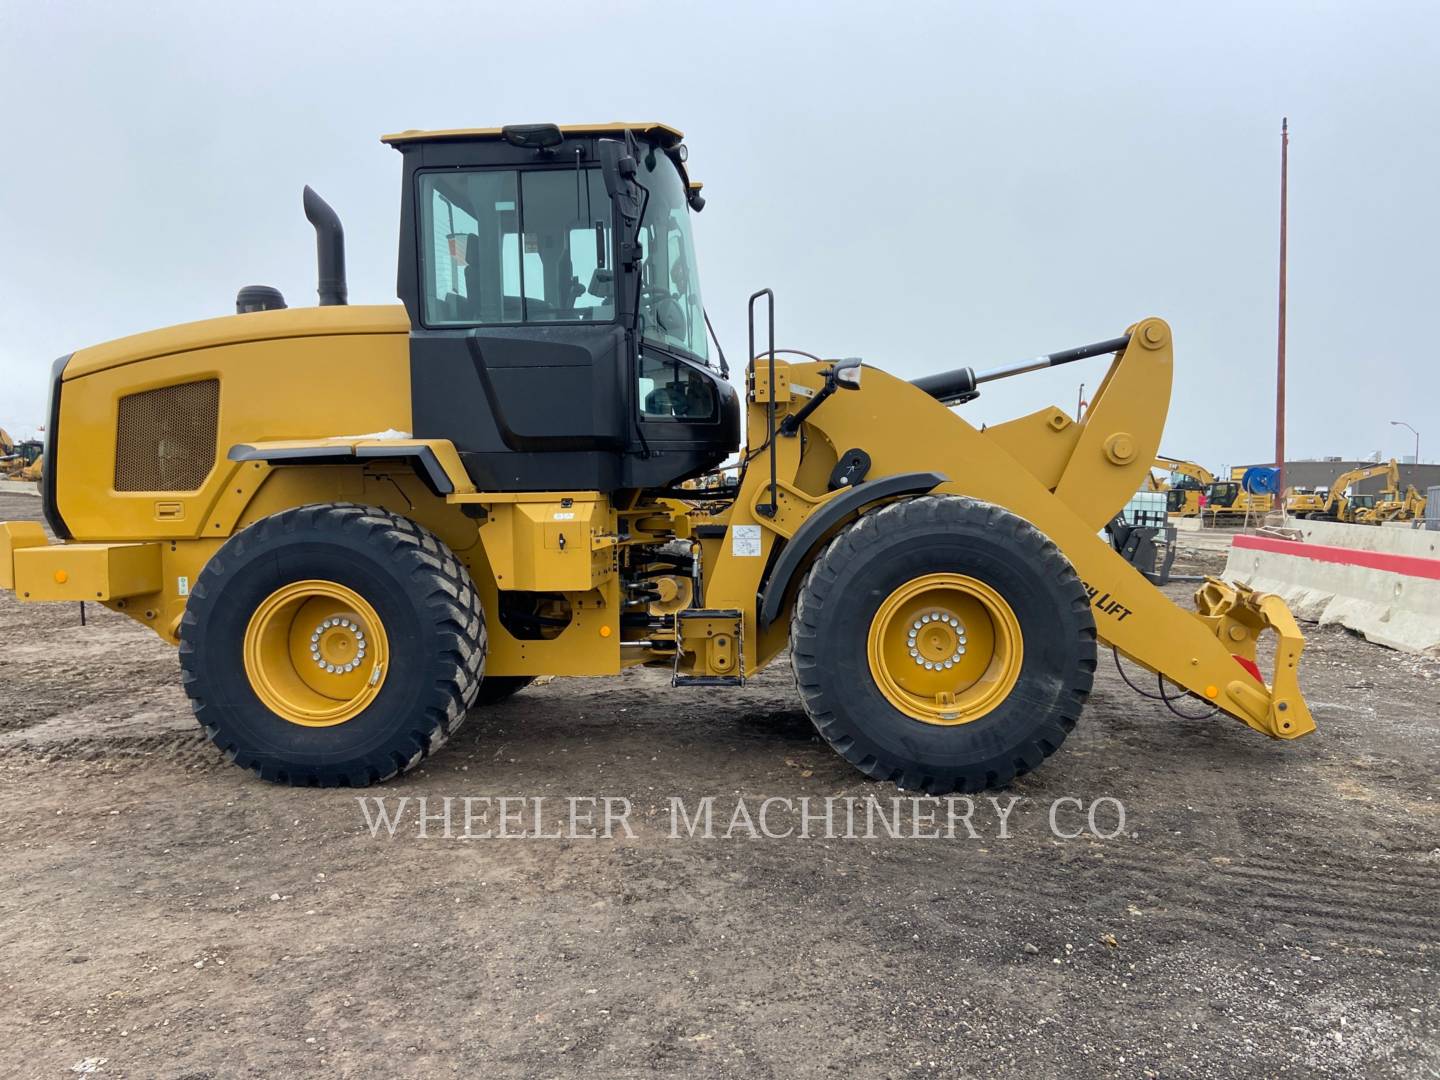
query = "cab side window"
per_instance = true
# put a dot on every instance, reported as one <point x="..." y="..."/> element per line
<point x="500" y="247"/>
<point x="671" y="389"/>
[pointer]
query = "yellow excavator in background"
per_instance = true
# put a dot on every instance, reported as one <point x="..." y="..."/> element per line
<point x="1187" y="483"/>
<point x="1354" y="509"/>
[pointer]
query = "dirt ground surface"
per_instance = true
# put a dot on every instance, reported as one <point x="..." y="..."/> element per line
<point x="1268" y="909"/>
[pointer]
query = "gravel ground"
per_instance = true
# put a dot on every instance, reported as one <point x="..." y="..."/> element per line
<point x="1268" y="909"/>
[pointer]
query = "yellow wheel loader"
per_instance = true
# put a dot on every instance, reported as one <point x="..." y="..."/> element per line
<point x="20" y="460"/>
<point x="357" y="523"/>
<point x="1392" y="506"/>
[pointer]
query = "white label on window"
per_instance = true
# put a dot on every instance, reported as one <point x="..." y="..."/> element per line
<point x="182" y="586"/>
<point x="745" y="541"/>
<point x="564" y="515"/>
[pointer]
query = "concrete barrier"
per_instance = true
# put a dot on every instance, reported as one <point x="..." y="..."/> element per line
<point x="1398" y="538"/>
<point x="1390" y="596"/>
<point x="19" y="487"/>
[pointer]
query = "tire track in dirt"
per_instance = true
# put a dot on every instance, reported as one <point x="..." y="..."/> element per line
<point x="1351" y="903"/>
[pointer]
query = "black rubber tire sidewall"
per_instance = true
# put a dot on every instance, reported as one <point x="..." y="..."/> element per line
<point x="497" y="688"/>
<point x="409" y="717"/>
<point x="905" y="540"/>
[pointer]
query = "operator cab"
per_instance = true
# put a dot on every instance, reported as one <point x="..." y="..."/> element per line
<point x="558" y="334"/>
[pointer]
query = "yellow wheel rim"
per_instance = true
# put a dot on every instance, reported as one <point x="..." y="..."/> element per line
<point x="316" y="653"/>
<point x="945" y="649"/>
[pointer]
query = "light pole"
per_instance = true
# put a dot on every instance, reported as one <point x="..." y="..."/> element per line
<point x="1280" y="334"/>
<point x="1401" y="423"/>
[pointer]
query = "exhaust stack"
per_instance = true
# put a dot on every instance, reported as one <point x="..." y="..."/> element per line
<point x="329" y="248"/>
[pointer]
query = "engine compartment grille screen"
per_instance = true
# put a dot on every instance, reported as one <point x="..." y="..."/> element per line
<point x="165" y="438"/>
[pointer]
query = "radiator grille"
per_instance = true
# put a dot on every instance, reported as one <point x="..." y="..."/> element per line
<point x="165" y="438"/>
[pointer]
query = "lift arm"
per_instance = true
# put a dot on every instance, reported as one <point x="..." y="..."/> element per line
<point x="1068" y="478"/>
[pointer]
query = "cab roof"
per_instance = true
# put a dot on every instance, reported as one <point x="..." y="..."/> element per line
<point x="664" y="134"/>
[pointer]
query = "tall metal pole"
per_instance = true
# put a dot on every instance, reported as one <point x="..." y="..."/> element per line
<point x="1280" y="347"/>
<point x="1402" y="423"/>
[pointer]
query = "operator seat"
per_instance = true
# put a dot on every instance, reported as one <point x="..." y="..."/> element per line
<point x="468" y="306"/>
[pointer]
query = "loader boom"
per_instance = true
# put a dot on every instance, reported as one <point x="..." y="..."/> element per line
<point x="1067" y="477"/>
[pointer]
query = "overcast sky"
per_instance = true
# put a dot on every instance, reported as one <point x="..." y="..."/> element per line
<point x="923" y="185"/>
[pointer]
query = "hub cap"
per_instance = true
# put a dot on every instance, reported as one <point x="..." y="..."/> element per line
<point x="945" y="649"/>
<point x="316" y="653"/>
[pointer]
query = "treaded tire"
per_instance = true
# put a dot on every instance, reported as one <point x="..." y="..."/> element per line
<point x="497" y="688"/>
<point x="425" y="600"/>
<point x="903" y="540"/>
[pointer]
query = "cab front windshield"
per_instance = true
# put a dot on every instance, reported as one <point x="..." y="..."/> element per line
<point x="671" y="314"/>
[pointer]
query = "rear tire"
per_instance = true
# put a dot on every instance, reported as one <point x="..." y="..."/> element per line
<point x="394" y="591"/>
<point x="1007" y="581"/>
<point x="497" y="688"/>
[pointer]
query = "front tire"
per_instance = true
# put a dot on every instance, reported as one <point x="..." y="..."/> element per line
<point x="943" y="643"/>
<point x="332" y="645"/>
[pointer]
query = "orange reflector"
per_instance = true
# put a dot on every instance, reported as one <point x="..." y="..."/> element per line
<point x="1212" y="692"/>
<point x="61" y="577"/>
<point x="604" y="631"/>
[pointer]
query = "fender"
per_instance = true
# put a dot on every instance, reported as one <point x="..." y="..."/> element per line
<point x="826" y="517"/>
<point x="434" y="460"/>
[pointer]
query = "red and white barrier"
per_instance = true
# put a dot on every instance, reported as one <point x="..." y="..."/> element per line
<point x="1392" y="597"/>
